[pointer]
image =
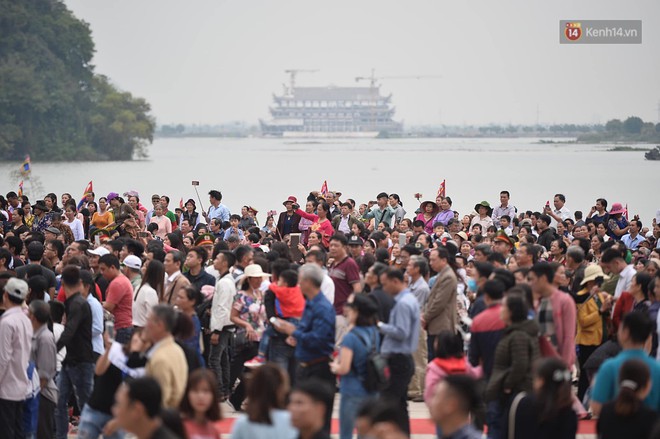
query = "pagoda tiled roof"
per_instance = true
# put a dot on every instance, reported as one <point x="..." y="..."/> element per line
<point x="332" y="93"/>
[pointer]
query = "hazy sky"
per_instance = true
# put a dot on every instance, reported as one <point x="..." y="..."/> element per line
<point x="214" y="61"/>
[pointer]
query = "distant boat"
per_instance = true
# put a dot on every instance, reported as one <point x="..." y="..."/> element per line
<point x="653" y="154"/>
<point x="331" y="112"/>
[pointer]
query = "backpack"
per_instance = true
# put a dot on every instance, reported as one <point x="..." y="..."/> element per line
<point x="378" y="371"/>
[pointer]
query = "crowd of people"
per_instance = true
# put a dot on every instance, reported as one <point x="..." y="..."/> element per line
<point x="118" y="318"/>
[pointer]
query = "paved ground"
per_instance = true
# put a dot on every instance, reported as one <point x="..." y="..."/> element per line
<point x="422" y="426"/>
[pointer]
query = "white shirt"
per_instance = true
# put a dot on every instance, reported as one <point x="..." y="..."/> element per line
<point x="145" y="298"/>
<point x="564" y="213"/>
<point x="328" y="287"/>
<point x="77" y="229"/>
<point x="223" y="298"/>
<point x="97" y="324"/>
<point x="213" y="272"/>
<point x="169" y="280"/>
<point x="58" y="329"/>
<point x="485" y="223"/>
<point x="343" y="225"/>
<point x="625" y="278"/>
<point x="15" y="346"/>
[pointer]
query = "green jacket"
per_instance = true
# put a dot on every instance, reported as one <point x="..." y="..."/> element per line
<point x="514" y="357"/>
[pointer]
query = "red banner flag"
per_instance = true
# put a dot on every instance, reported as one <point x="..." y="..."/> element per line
<point x="88" y="190"/>
<point x="324" y="188"/>
<point x="442" y="189"/>
<point x="625" y="212"/>
<point x="181" y="204"/>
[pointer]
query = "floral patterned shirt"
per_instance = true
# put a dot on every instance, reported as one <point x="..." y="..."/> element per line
<point x="251" y="309"/>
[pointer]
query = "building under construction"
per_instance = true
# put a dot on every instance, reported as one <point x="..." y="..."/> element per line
<point x="331" y="111"/>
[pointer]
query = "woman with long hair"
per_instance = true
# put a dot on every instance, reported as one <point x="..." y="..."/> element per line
<point x="149" y="292"/>
<point x="265" y="415"/>
<point x="200" y="406"/>
<point x="627" y="416"/>
<point x="356" y="346"/>
<point x="174" y="240"/>
<point x="359" y="229"/>
<point x="547" y="412"/>
<point x="270" y="228"/>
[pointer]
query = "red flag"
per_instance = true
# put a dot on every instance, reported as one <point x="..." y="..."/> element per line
<point x="442" y="189"/>
<point x="88" y="190"/>
<point x="181" y="204"/>
<point x="20" y="189"/>
<point x="324" y="188"/>
<point x="625" y="212"/>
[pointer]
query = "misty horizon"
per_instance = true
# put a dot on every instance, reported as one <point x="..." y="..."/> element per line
<point x="218" y="62"/>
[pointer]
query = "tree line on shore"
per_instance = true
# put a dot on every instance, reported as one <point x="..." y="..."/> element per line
<point x="53" y="105"/>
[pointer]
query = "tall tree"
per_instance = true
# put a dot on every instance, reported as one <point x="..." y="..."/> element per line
<point x="49" y="92"/>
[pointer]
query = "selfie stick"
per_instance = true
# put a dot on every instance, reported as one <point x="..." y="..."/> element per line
<point x="198" y="198"/>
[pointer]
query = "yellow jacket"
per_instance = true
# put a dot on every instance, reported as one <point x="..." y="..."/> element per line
<point x="167" y="365"/>
<point x="589" y="320"/>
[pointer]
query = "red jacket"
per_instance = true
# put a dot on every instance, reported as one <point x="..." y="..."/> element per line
<point x="325" y="228"/>
<point x="290" y="301"/>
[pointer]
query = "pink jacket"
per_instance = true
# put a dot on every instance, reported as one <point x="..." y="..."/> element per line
<point x="439" y="368"/>
<point x="564" y="317"/>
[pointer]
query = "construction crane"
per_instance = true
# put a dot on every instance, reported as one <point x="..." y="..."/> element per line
<point x="373" y="78"/>
<point x="292" y="77"/>
<point x="373" y="88"/>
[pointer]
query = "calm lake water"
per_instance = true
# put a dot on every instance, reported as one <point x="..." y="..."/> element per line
<point x="264" y="172"/>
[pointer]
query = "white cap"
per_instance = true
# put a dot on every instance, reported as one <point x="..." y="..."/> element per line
<point x="99" y="251"/>
<point x="132" y="261"/>
<point x="17" y="288"/>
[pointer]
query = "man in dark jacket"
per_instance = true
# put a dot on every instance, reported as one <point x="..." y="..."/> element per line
<point x="77" y="374"/>
<point x="546" y="234"/>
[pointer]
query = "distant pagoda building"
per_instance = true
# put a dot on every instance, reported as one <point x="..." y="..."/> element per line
<point x="331" y="112"/>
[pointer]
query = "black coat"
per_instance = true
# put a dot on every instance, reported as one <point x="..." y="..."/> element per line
<point x="294" y="226"/>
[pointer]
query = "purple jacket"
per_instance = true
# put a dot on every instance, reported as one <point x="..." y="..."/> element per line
<point x="443" y="217"/>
